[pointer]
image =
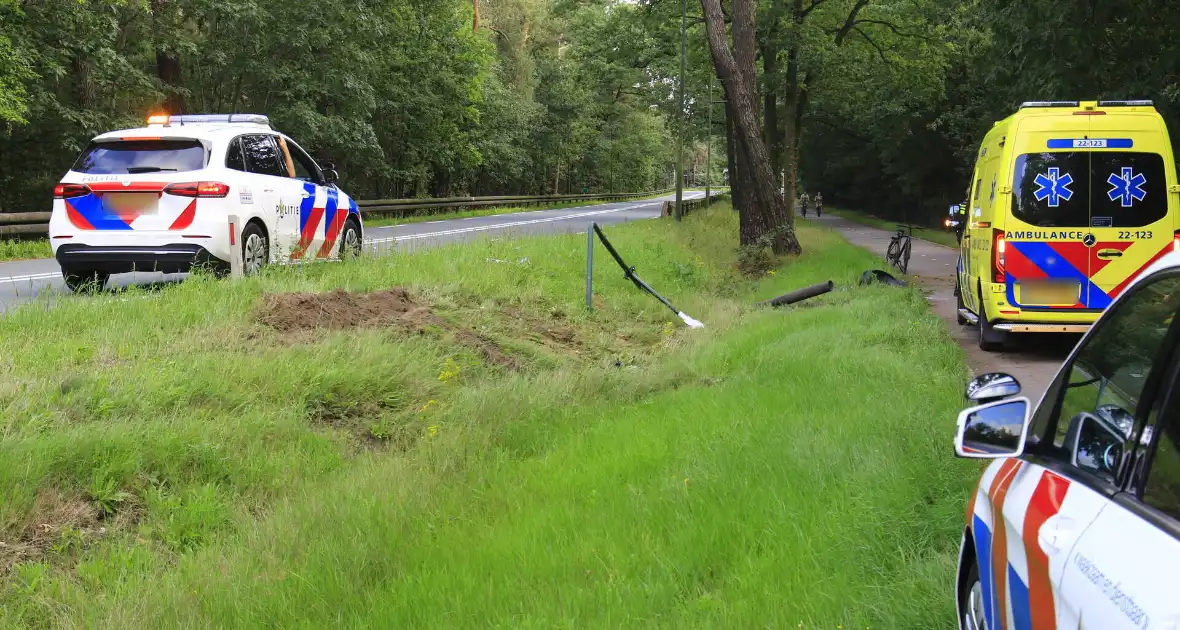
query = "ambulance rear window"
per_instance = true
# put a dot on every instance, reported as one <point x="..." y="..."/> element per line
<point x="1119" y="189"/>
<point x="1050" y="189"/>
<point x="121" y="157"/>
<point x="1127" y="189"/>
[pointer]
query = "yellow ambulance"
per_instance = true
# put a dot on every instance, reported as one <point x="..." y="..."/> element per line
<point x="1069" y="202"/>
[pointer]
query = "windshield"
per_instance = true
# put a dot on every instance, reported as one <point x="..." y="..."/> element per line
<point x="1089" y="189"/>
<point x="141" y="156"/>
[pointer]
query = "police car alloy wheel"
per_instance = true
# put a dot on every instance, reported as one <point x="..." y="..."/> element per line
<point x="254" y="250"/>
<point x="972" y="605"/>
<point x="350" y="242"/>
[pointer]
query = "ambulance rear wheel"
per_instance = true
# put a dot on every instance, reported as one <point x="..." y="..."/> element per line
<point x="959" y="306"/>
<point x="990" y="339"/>
<point x="84" y="280"/>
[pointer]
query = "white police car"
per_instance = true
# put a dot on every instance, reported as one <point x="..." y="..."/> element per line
<point x="160" y="198"/>
<point x="1076" y="524"/>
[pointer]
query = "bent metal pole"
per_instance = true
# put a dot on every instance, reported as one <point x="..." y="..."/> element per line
<point x="629" y="273"/>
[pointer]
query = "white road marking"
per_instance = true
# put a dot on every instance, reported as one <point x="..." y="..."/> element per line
<point x="483" y="228"/>
<point x="35" y="276"/>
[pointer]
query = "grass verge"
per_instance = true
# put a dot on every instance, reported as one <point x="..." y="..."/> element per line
<point x="934" y="235"/>
<point x="24" y="249"/>
<point x="484" y="451"/>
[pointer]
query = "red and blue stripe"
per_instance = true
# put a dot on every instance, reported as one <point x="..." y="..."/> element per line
<point x="335" y="221"/>
<point x="1032" y="603"/>
<point x="1068" y="260"/>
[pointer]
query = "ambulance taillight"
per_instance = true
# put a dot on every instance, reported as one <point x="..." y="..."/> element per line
<point x="999" y="248"/>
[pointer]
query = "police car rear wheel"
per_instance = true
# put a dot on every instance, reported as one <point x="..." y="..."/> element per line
<point x="350" y="241"/>
<point x="85" y="281"/>
<point x="971" y="604"/>
<point x="255" y="254"/>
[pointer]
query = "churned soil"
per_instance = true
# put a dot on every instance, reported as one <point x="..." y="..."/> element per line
<point x="342" y="310"/>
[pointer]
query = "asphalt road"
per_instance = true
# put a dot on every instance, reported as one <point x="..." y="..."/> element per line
<point x="21" y="281"/>
<point x="1032" y="358"/>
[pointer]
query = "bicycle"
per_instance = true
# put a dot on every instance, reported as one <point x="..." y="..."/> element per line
<point x="898" y="253"/>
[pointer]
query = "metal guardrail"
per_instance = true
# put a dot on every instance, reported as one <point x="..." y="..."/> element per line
<point x="37" y="223"/>
<point x="690" y="205"/>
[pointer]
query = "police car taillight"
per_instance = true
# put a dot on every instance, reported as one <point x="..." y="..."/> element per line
<point x="999" y="249"/>
<point x="198" y="189"/>
<point x="69" y="191"/>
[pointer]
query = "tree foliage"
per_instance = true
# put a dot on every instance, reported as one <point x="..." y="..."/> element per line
<point x="405" y="96"/>
<point x="976" y="62"/>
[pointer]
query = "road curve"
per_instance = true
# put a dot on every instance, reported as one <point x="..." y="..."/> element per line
<point x="21" y="281"/>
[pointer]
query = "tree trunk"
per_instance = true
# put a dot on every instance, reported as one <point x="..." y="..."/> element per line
<point x="730" y="138"/>
<point x="745" y="50"/>
<point x="738" y="186"/>
<point x="769" y="219"/>
<point x="84" y="89"/>
<point x="771" y="133"/>
<point x="167" y="61"/>
<point x="792" y="113"/>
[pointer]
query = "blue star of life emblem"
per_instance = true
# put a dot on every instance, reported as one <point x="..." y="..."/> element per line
<point x="1127" y="187"/>
<point x="1053" y="186"/>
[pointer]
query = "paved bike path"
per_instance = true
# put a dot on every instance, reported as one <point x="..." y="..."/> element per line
<point x="1032" y="359"/>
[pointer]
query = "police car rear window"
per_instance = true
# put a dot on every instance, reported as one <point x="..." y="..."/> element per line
<point x="141" y="156"/>
<point x="1089" y="189"/>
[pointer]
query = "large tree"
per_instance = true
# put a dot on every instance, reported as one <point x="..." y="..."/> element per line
<point x="765" y="217"/>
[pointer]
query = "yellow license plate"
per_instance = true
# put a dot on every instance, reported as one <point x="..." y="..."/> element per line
<point x="135" y="203"/>
<point x="1049" y="293"/>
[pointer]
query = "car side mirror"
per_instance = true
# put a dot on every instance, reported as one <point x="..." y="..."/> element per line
<point x="993" y="430"/>
<point x="991" y="387"/>
<point x="331" y="176"/>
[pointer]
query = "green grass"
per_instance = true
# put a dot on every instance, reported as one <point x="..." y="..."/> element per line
<point x="24" y="249"/>
<point x="170" y="462"/>
<point x="485" y="212"/>
<point x="935" y="235"/>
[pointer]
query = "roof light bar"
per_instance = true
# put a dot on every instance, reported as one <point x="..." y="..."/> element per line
<point x="1049" y="104"/>
<point x="205" y="119"/>
<point x="1139" y="103"/>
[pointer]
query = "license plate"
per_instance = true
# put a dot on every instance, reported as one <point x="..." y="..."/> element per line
<point x="1049" y="293"/>
<point x="130" y="203"/>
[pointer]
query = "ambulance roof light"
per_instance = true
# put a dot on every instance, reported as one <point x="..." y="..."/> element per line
<point x="1049" y="104"/>
<point x="1139" y="103"/>
<point x="205" y="119"/>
